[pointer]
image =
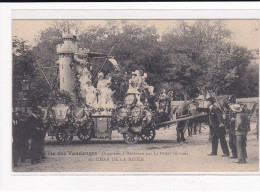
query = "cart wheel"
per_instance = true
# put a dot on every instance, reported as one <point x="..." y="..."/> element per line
<point x="64" y="137"/>
<point x="148" y="136"/>
<point x="131" y="138"/>
<point x="84" y="133"/>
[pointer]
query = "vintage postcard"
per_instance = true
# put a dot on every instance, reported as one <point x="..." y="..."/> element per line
<point x="138" y="96"/>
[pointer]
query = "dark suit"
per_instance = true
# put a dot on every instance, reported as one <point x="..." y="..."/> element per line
<point x="232" y="138"/>
<point x="20" y="140"/>
<point x="241" y="129"/>
<point x="217" y="132"/>
<point x="37" y="132"/>
<point x="16" y="140"/>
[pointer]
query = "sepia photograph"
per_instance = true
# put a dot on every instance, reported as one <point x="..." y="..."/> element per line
<point x="135" y="96"/>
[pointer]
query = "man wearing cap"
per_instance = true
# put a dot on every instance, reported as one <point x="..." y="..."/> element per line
<point x="217" y="132"/>
<point x="241" y="130"/>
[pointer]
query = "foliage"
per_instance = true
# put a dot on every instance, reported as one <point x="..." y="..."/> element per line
<point x="56" y="96"/>
<point x="22" y="65"/>
<point x="201" y="55"/>
<point x="188" y="59"/>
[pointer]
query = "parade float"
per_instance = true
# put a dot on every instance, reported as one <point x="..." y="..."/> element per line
<point x="87" y="110"/>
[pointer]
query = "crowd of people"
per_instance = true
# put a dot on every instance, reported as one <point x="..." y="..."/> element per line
<point x="28" y="137"/>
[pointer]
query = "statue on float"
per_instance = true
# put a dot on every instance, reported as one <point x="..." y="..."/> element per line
<point x="85" y="76"/>
<point x="138" y="84"/>
<point x="91" y="95"/>
<point x="105" y="100"/>
<point x="149" y="88"/>
<point x="135" y="86"/>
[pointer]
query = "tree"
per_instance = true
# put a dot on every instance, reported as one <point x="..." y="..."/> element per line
<point x="200" y="55"/>
<point x="134" y="47"/>
<point x="189" y="59"/>
<point x="22" y="65"/>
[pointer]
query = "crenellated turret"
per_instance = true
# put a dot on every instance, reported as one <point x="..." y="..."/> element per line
<point x="66" y="52"/>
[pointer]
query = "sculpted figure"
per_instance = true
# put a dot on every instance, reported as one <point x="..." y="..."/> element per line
<point x="146" y="86"/>
<point x="105" y="100"/>
<point x="91" y="95"/>
<point x="101" y="92"/>
<point x="84" y="78"/>
<point x="109" y="104"/>
<point x="134" y="86"/>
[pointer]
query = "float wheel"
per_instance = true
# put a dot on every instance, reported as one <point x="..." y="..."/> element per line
<point x="148" y="136"/>
<point x="131" y="138"/>
<point x="64" y="136"/>
<point x="84" y="133"/>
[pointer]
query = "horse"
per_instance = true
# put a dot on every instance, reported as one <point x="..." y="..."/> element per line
<point x="190" y="108"/>
<point x="193" y="123"/>
<point x="181" y="111"/>
<point x="223" y="102"/>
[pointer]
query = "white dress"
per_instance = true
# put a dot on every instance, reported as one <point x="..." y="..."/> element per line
<point x="105" y="99"/>
<point x="134" y="86"/>
<point x="84" y="78"/>
<point x="101" y="86"/>
<point x="109" y="100"/>
<point x="91" y="96"/>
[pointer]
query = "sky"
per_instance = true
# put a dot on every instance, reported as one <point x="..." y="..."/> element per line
<point x="244" y="32"/>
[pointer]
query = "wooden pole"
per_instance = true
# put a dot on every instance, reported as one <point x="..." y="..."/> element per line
<point x="43" y="73"/>
<point x="104" y="62"/>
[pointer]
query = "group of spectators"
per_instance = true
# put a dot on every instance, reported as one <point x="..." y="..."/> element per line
<point x="235" y="121"/>
<point x="28" y="137"/>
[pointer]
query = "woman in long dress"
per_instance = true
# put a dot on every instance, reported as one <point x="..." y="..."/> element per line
<point x="91" y="95"/>
<point x="101" y="91"/>
<point x="84" y="78"/>
<point x="105" y="100"/>
<point x="109" y="103"/>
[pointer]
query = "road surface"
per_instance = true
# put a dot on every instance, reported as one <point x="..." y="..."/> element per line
<point x="163" y="155"/>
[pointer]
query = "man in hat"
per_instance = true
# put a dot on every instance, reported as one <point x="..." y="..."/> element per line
<point x="241" y="130"/>
<point x="217" y="132"/>
<point x="20" y="138"/>
<point x="38" y="133"/>
<point x="231" y="131"/>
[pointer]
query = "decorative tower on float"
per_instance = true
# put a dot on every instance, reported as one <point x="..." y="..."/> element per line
<point x="66" y="52"/>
